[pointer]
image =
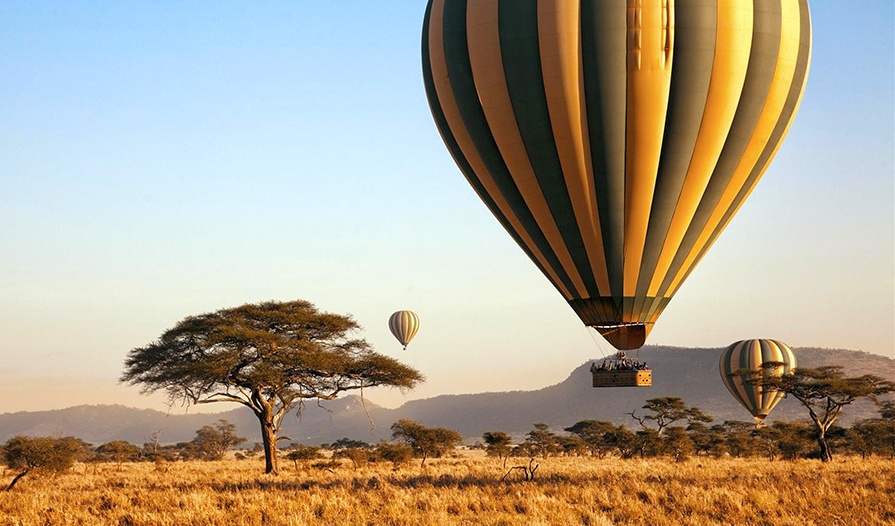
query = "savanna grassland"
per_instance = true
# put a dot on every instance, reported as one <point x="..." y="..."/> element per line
<point x="461" y="491"/>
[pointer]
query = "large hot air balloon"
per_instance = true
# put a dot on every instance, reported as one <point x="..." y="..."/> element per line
<point x="404" y="325"/>
<point x="615" y="139"/>
<point x="753" y="355"/>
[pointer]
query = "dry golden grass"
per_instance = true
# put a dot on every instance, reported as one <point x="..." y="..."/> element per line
<point x="462" y="491"/>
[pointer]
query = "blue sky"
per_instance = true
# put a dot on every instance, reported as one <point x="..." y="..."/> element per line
<point x="162" y="159"/>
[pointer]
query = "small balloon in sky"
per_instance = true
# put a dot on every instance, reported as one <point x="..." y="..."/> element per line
<point x="772" y="357"/>
<point x="404" y="325"/>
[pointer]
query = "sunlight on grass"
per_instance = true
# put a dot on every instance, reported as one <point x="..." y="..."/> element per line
<point x="461" y="491"/>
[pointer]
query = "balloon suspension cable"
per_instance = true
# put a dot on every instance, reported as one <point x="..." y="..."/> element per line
<point x="606" y="330"/>
<point x="598" y="341"/>
<point x="363" y="403"/>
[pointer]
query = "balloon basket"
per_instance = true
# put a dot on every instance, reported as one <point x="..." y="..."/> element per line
<point x="623" y="378"/>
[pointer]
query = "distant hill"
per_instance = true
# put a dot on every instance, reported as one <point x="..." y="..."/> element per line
<point x="690" y="374"/>
<point x="102" y="423"/>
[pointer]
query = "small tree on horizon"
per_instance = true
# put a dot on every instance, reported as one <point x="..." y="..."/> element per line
<point x="498" y="444"/>
<point x="27" y="454"/>
<point x="540" y="441"/>
<point x="677" y="443"/>
<point x="346" y="443"/>
<point x="268" y="357"/>
<point x="395" y="452"/>
<point x="213" y="442"/>
<point x="707" y="440"/>
<point x="595" y="434"/>
<point x="667" y="410"/>
<point x="873" y="436"/>
<point x="304" y="453"/>
<point x="624" y="441"/>
<point x="740" y="438"/>
<point x="357" y="455"/>
<point x="876" y="435"/>
<point x="118" y="451"/>
<point x="425" y="441"/>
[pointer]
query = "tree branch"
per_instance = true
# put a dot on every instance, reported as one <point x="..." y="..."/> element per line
<point x="224" y="397"/>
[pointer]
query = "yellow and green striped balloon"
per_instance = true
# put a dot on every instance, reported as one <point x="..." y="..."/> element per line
<point x="404" y="324"/>
<point x="752" y="355"/>
<point x="615" y="139"/>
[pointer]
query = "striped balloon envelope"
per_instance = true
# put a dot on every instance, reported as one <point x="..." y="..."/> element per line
<point x="615" y="139"/>
<point x="752" y="355"/>
<point x="404" y="325"/>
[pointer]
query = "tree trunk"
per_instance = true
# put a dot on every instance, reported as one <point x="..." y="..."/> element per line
<point x="825" y="454"/>
<point x="269" y="439"/>
<point x="822" y="425"/>
<point x="16" y="479"/>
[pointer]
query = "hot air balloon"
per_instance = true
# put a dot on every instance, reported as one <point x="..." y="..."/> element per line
<point x="404" y="325"/>
<point x="752" y="355"/>
<point x="615" y="139"/>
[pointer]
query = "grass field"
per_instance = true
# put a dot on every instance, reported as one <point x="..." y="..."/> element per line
<point x="461" y="491"/>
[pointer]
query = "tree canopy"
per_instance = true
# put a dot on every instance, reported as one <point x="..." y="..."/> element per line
<point x="425" y="441"/>
<point x="596" y="435"/>
<point x="267" y="356"/>
<point x="213" y="442"/>
<point x="667" y="410"/>
<point x="26" y="454"/>
<point x="498" y="444"/>
<point x="117" y="451"/>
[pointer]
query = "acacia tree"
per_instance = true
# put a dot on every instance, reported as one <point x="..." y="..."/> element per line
<point x="497" y="444"/>
<point x="873" y="436"/>
<point x="268" y="357"/>
<point x="27" y="454"/>
<point x="397" y="453"/>
<point x="624" y="441"/>
<point x="741" y="439"/>
<point x="668" y="410"/>
<point x="707" y="440"/>
<point x="540" y="441"/>
<point x="425" y="441"/>
<point x="595" y="434"/>
<point x="118" y="451"/>
<point x="303" y="452"/>
<point x="213" y="442"/>
<point x="678" y="444"/>
<point x="358" y="456"/>
<point x="825" y="392"/>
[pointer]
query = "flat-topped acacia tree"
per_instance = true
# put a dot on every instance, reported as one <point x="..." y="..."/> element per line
<point x="266" y="356"/>
<point x="824" y="391"/>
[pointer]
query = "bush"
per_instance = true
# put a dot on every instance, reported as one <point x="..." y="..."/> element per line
<point x="302" y="452"/>
<point x="397" y="454"/>
<point x="358" y="456"/>
<point x="27" y="454"/>
<point x="118" y="451"/>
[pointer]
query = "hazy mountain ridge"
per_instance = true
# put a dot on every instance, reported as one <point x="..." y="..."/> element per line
<point x="691" y="374"/>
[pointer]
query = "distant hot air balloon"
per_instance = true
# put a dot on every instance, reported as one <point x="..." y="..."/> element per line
<point x="614" y="139"/>
<point x="404" y="325"/>
<point x="751" y="355"/>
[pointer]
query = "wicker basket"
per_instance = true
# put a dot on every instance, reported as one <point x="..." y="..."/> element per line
<point x="623" y="378"/>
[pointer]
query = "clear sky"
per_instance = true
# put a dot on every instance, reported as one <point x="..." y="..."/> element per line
<point x="162" y="159"/>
